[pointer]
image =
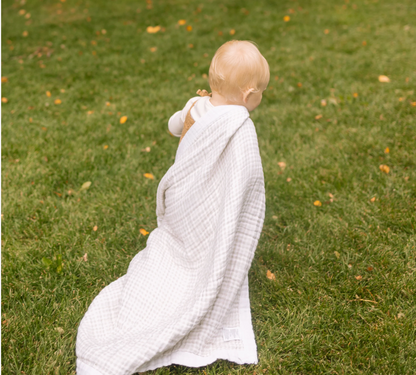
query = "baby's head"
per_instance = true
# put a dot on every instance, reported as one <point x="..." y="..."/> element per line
<point x="239" y="73"/>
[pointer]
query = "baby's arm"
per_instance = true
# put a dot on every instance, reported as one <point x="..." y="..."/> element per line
<point x="177" y="120"/>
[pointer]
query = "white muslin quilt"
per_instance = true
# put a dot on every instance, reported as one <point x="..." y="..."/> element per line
<point x="184" y="298"/>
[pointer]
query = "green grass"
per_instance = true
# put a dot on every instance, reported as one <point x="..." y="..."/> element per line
<point x="316" y="317"/>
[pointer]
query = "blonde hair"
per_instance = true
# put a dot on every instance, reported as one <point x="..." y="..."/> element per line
<point x="237" y="66"/>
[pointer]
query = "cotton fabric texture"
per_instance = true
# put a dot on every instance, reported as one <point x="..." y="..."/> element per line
<point x="185" y="296"/>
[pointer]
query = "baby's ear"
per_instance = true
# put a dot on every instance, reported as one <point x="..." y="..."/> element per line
<point x="246" y="94"/>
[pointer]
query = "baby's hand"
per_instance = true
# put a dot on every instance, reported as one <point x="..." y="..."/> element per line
<point x="203" y="93"/>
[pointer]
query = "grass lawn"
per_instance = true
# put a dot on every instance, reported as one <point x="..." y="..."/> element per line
<point x="339" y="233"/>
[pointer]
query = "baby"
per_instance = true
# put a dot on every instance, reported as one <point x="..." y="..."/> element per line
<point x="238" y="75"/>
<point x="185" y="297"/>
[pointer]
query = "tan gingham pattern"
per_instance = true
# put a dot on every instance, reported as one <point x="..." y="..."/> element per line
<point x="181" y="290"/>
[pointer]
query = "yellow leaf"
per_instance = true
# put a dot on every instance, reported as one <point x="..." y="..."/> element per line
<point x="85" y="186"/>
<point x="181" y="22"/>
<point x="149" y="175"/>
<point x="414" y="104"/>
<point x="383" y="79"/>
<point x="286" y="18"/>
<point x="153" y="30"/>
<point x="144" y="232"/>
<point x="4" y="100"/>
<point x="288" y="179"/>
<point x="153" y="49"/>
<point x="326" y="31"/>
<point x="282" y="165"/>
<point x="364" y="43"/>
<point x="232" y="32"/>
<point x="384" y="168"/>
<point x="107" y="104"/>
<point x="4" y="79"/>
<point x="270" y="275"/>
<point x="22" y="12"/>
<point x="317" y="117"/>
<point x="317" y="203"/>
<point x="25" y="33"/>
<point x="337" y="254"/>
<point x="48" y="94"/>
<point x="105" y="147"/>
<point x="373" y="199"/>
<point x="123" y="119"/>
<point x="95" y="228"/>
<point x="189" y="28"/>
<point x="358" y="277"/>
<point x="90" y="112"/>
<point x="387" y="150"/>
<point x="323" y="103"/>
<point x="355" y="95"/>
<point x="58" y="101"/>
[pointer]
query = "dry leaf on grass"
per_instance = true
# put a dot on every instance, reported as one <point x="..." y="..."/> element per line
<point x="153" y="29"/>
<point x="270" y="275"/>
<point x="123" y="119"/>
<point x="383" y="79"/>
<point x="384" y="168"/>
<point x="95" y="228"/>
<point x="317" y="203"/>
<point x="149" y="175"/>
<point x="144" y="232"/>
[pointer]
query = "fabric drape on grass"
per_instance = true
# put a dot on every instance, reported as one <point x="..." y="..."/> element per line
<point x="181" y="294"/>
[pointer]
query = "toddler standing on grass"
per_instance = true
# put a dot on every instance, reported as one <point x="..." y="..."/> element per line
<point x="185" y="298"/>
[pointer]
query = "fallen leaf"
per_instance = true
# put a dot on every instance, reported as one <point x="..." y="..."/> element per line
<point x="355" y="95"/>
<point x="22" y="12"/>
<point x="181" y="22"/>
<point x="232" y="32"/>
<point x="400" y="315"/>
<point x="153" y="49"/>
<point x="123" y="119"/>
<point x="90" y="112"/>
<point x="323" y="102"/>
<point x="153" y="30"/>
<point x="413" y="104"/>
<point x="147" y="149"/>
<point x="189" y="28"/>
<point x="372" y="200"/>
<point x="337" y="254"/>
<point x="144" y="232"/>
<point x="105" y="147"/>
<point x="383" y="79"/>
<point x="85" y="186"/>
<point x="95" y="228"/>
<point x="48" y="94"/>
<point x="58" y="101"/>
<point x="60" y="330"/>
<point x="288" y="179"/>
<point x="149" y="175"/>
<point x="4" y="100"/>
<point x="317" y="117"/>
<point x="358" y="277"/>
<point x="350" y="265"/>
<point x="85" y="257"/>
<point x="299" y="84"/>
<point x="369" y="269"/>
<point x="317" y="203"/>
<point x="4" y="79"/>
<point x="384" y="168"/>
<point x="387" y="150"/>
<point x="25" y="33"/>
<point x="364" y="43"/>
<point x="270" y="275"/>
<point x="326" y="31"/>
<point x="107" y="104"/>
<point x="58" y="194"/>
<point x="282" y="165"/>
<point x="286" y="18"/>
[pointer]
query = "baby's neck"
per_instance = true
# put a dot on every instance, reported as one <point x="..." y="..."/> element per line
<point x="218" y="99"/>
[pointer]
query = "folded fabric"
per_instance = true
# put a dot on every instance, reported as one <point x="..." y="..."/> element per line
<point x="182" y="293"/>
